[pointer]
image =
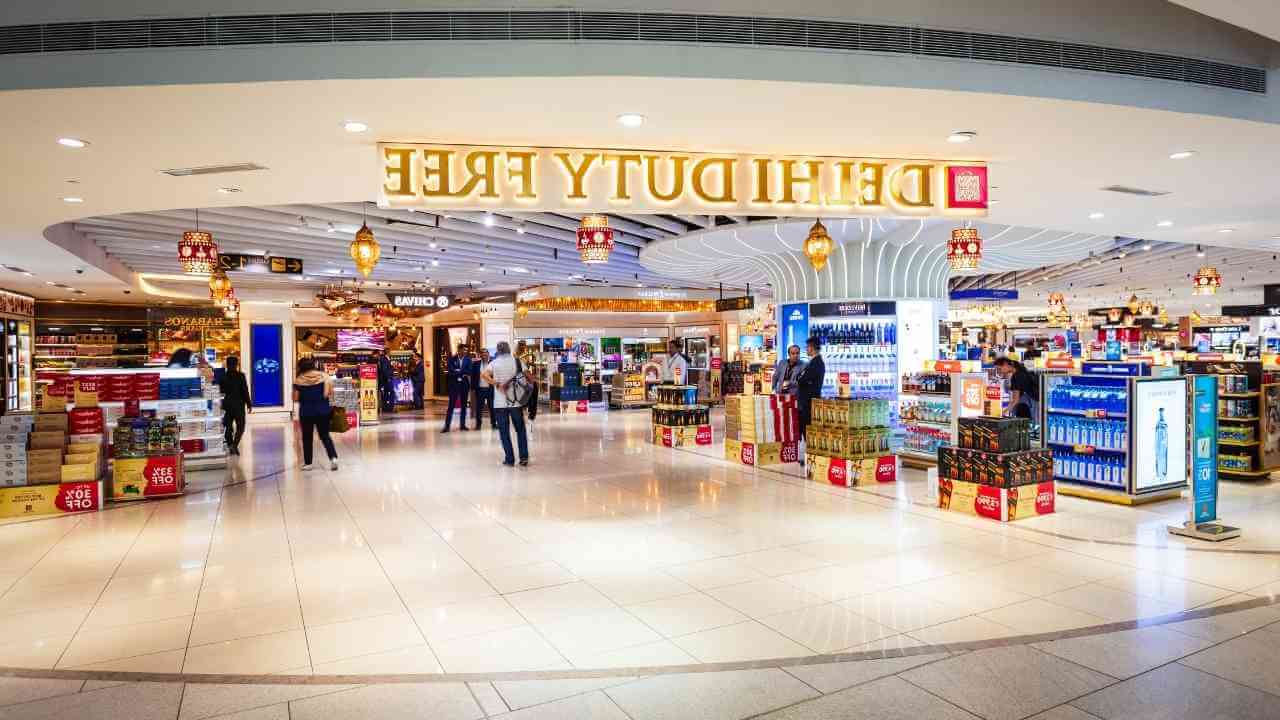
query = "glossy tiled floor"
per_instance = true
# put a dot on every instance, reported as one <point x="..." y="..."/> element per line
<point x="422" y="556"/>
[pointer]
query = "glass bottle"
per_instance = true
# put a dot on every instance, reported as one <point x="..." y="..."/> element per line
<point x="1162" y="448"/>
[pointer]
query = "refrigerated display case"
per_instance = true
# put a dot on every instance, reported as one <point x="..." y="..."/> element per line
<point x="15" y="335"/>
<point x="859" y="339"/>
<point x="1118" y="439"/>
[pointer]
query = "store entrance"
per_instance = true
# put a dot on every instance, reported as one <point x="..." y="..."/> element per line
<point x="443" y="341"/>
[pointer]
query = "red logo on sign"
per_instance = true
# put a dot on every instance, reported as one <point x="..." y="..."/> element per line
<point x="967" y="187"/>
<point x="886" y="469"/>
<point x="716" y="363"/>
<point x="77" y="497"/>
<point x="993" y="392"/>
<point x="1059" y="363"/>
<point x="582" y="406"/>
<point x="947" y="366"/>
<point x="748" y="454"/>
<point x="987" y="502"/>
<point x="1045" y="498"/>
<point x="666" y="436"/>
<point x="703" y="436"/>
<point x="837" y="473"/>
<point x="368" y="372"/>
<point x="790" y="452"/>
<point x="844" y="378"/>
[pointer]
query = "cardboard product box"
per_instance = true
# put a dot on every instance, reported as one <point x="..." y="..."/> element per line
<point x="13" y="473"/>
<point x="80" y="446"/>
<point x="681" y="436"/>
<point x="14" y="451"/>
<point x="16" y="424"/>
<point x="34" y="501"/>
<point x="89" y="439"/>
<point x="851" y="472"/>
<point x="79" y="473"/>
<point x="48" y="440"/>
<point x="36" y="456"/>
<point x="992" y="434"/>
<point x="753" y="453"/>
<point x="43" y="475"/>
<point x="51" y="421"/>
<point x="1003" y="504"/>
<point x="996" y="469"/>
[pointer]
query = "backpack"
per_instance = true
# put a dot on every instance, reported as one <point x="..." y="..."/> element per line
<point x="518" y="388"/>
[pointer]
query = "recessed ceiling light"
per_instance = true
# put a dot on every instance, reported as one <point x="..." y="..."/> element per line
<point x="522" y="271"/>
<point x="1165" y="223"/>
<point x="1182" y="154"/>
<point x="50" y="282"/>
<point x="1096" y="216"/>
<point x="72" y="142"/>
<point x="435" y="263"/>
<point x="488" y="219"/>
<point x="354" y="126"/>
<point x="961" y="136"/>
<point x="993" y="202"/>
<point x="1146" y="246"/>
<point x="631" y="120"/>
<point x="1227" y="230"/>
<point x="520" y="228"/>
<point x="73" y="200"/>
<point x="228" y="190"/>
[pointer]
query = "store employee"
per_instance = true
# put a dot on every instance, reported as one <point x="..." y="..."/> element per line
<point x="675" y="361"/>
<point x="1024" y="391"/>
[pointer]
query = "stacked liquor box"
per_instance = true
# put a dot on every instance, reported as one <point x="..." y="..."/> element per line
<point x="994" y="472"/>
<point x="847" y="442"/>
<point x="678" y="419"/>
<point x="761" y="429"/>
<point x="566" y="387"/>
<point x="731" y="375"/>
<point x="14" y="430"/>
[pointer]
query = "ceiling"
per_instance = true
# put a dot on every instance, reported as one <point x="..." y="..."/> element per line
<point x="1049" y="160"/>
<point x="1259" y="16"/>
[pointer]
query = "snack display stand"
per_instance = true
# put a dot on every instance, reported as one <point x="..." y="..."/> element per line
<point x="847" y="442"/>
<point x="628" y="391"/>
<point x="678" y="420"/>
<point x="994" y="471"/>
<point x="931" y="404"/>
<point x="761" y="429"/>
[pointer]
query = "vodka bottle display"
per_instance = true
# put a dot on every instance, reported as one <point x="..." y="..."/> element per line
<point x="865" y="349"/>
<point x="1162" y="448"/>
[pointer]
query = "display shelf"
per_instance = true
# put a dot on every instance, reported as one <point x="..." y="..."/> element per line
<point x="1240" y="395"/>
<point x="925" y="394"/>
<point x="1091" y="414"/>
<point x="1238" y="419"/>
<point x="1091" y="448"/>
<point x="1244" y="473"/>
<point x="1239" y="443"/>
<point x="931" y="423"/>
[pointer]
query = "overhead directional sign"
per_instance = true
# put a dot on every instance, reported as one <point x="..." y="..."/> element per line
<point x="236" y="262"/>
<point x="746" y="302"/>
<point x="988" y="294"/>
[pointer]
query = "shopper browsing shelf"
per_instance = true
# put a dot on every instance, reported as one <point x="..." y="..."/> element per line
<point x="458" y="377"/>
<point x="312" y="391"/>
<point x="675" y="369"/>
<point x="235" y="403"/>
<point x="787" y="373"/>
<point x="1024" y="401"/>
<point x="484" y="392"/>
<point x="506" y="376"/>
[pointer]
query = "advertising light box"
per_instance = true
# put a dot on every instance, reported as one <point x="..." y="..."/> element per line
<point x="1159" y="432"/>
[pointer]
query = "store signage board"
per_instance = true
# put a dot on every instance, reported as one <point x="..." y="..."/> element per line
<point x="12" y="303"/>
<point x="1267" y="310"/>
<point x="852" y="309"/>
<point x="461" y="177"/>
<point x="746" y="302"/>
<point x="1203" y="512"/>
<point x="990" y="294"/>
<point x="794" y="325"/>
<point x="1158" y="426"/>
<point x="419" y="301"/>
<point x="1115" y="369"/>
<point x="546" y="292"/>
<point x="1033" y="319"/>
<point x="236" y="262"/>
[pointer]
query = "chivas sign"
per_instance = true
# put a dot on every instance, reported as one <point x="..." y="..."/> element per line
<point x="419" y="301"/>
<point x="642" y="181"/>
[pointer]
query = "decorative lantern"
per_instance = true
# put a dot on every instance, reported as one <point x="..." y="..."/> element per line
<point x="197" y="251"/>
<point x="232" y="310"/>
<point x="1114" y="315"/>
<point x="522" y="311"/>
<point x="1164" y="317"/>
<point x="1134" y="304"/>
<point x="219" y="283"/>
<point x="595" y="239"/>
<point x="965" y="250"/>
<point x="818" y="246"/>
<point x="1146" y="309"/>
<point x="365" y="250"/>
<point x="1057" y="300"/>
<point x="228" y="299"/>
<point x="1207" y="281"/>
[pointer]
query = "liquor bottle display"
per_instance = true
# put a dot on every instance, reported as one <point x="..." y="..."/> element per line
<point x="865" y="349"/>
<point x="994" y="472"/>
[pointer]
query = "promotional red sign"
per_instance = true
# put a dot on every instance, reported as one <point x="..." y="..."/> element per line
<point x="161" y="474"/>
<point x="987" y="502"/>
<point x="703" y="436"/>
<point x="716" y="364"/>
<point x="886" y="469"/>
<point x="132" y="407"/>
<point x="748" y="453"/>
<point x="993" y="392"/>
<point x="368" y="372"/>
<point x="838" y="472"/>
<point x="77" y="497"/>
<point x="790" y="452"/>
<point x="582" y="406"/>
<point x="947" y="366"/>
<point x="1059" y="363"/>
<point x="1045" y="498"/>
<point x="844" y="378"/>
<point x="666" y="437"/>
<point x="1208" y="356"/>
<point x="1095" y="413"/>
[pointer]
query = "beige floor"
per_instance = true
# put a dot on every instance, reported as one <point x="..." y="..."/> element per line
<point x="422" y="555"/>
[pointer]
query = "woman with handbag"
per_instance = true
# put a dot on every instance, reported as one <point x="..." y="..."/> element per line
<point x="312" y="391"/>
<point x="510" y="390"/>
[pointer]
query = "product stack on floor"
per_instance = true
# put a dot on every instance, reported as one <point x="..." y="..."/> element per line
<point x="761" y="429"/>
<point x="678" y="419"/>
<point x="847" y="442"/>
<point x="46" y="470"/>
<point x="995" y="473"/>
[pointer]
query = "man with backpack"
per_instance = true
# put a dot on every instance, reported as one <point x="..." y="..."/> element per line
<point x="505" y="375"/>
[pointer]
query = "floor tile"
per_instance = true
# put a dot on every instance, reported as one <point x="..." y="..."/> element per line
<point x="491" y="703"/>
<point x="745" y="641"/>
<point x="780" y="561"/>
<point x="524" y="693"/>
<point x="560" y="601"/>
<point x="1111" y="604"/>
<point x="903" y="610"/>
<point x="707" y="574"/>
<point x="201" y="701"/>
<point x="439" y="701"/>
<point x="136" y="701"/>
<point x="211" y="627"/>
<point x="21" y="690"/>
<point x="1172" y="590"/>
<point x="514" y="578"/>
<point x="630" y="588"/>
<point x="835" y="582"/>
<point x="1223" y="626"/>
<point x="684" y="614"/>
<point x="968" y="629"/>
<point x="1006" y="683"/>
<point x="261" y="654"/>
<point x="413" y="660"/>
<point x="591" y="706"/>
<point x="712" y="696"/>
<point x="583" y="636"/>
<point x="831" y="677"/>
<point x="1177" y="691"/>
<point x="169" y="661"/>
<point x="1249" y="660"/>
<point x="1064" y="712"/>
<point x="1128" y="653"/>
<point x="1038" y="616"/>
<point x="519" y="648"/>
<point x="366" y="636"/>
<point x="886" y="699"/>
<point x="663" y="653"/>
<point x="471" y="617"/>
<point x="827" y="628"/>
<point x="759" y="598"/>
<point x="97" y="646"/>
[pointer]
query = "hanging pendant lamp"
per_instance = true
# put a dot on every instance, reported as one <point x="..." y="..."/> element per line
<point x="365" y="250"/>
<point x="595" y="239"/>
<point x="1207" y="281"/>
<point x="818" y="246"/>
<point x="219" y="284"/>
<point x="197" y="252"/>
<point x="964" y="252"/>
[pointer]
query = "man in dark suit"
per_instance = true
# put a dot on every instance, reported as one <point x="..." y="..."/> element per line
<point x="235" y="403"/>
<point x="458" y="373"/>
<point x="418" y="376"/>
<point x="809" y="385"/>
<point x="386" y="381"/>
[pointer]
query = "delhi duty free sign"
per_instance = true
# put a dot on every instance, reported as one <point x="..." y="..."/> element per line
<point x="645" y="181"/>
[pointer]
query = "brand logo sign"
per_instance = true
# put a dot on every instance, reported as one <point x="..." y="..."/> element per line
<point x="886" y="470"/>
<point x="789" y="453"/>
<point x="419" y="301"/>
<point x="640" y="181"/>
<point x="748" y="454"/>
<point x="704" y="435"/>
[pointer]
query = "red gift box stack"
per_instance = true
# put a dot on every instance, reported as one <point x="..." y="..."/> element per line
<point x="115" y="388"/>
<point x="85" y="421"/>
<point x="146" y="386"/>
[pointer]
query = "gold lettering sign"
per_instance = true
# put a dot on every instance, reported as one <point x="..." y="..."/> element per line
<point x="599" y="180"/>
<point x="192" y="321"/>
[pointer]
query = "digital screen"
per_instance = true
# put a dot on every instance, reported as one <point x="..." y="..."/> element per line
<point x="552" y="344"/>
<point x="266" y="376"/>
<point x="1159" y="431"/>
<point x="794" y="325"/>
<point x="748" y="342"/>
<point x="361" y="339"/>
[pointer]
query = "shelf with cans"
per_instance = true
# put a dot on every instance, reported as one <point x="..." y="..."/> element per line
<point x="1248" y="416"/>
<point x="1117" y="439"/>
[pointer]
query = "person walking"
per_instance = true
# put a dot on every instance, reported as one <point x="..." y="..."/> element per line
<point x="458" y="376"/>
<point x="484" y="392"/>
<point x="500" y="374"/>
<point x="788" y="372"/>
<point x="809" y="385"/>
<point x="312" y="391"/>
<point x="418" y="376"/>
<point x="235" y="403"/>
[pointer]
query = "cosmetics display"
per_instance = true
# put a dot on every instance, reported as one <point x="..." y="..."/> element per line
<point x="994" y="472"/>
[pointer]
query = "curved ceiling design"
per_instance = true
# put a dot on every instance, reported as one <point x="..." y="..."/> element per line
<point x="873" y="257"/>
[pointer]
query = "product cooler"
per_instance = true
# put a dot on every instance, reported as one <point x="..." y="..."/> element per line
<point x="1122" y="439"/>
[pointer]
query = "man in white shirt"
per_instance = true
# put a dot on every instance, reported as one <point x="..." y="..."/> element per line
<point x="499" y="373"/>
<point x="675" y="361"/>
<point x="484" y="394"/>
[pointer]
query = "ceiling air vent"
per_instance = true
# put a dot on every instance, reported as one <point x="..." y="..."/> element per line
<point x="213" y="169"/>
<point x="1135" y="191"/>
